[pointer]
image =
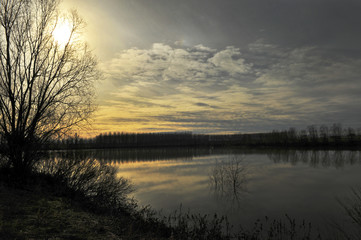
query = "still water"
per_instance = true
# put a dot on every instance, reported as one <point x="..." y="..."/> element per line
<point x="244" y="184"/>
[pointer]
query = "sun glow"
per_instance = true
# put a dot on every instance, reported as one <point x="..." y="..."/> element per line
<point x="62" y="32"/>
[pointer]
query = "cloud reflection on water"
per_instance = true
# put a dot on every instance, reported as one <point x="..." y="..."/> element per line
<point x="302" y="183"/>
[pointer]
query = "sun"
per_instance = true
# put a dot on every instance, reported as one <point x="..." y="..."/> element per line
<point x="62" y="32"/>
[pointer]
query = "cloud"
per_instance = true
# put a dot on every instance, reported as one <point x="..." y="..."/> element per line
<point x="230" y="61"/>
<point x="259" y="88"/>
<point x="312" y="73"/>
<point x="163" y="63"/>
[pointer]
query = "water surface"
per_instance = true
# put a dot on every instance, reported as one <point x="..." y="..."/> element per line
<point x="242" y="184"/>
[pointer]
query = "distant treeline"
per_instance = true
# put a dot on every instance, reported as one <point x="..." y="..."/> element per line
<point x="124" y="140"/>
<point x="312" y="136"/>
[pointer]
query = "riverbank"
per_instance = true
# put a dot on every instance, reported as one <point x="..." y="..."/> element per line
<point x="37" y="211"/>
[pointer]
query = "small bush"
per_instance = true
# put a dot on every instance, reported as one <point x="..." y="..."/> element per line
<point x="87" y="178"/>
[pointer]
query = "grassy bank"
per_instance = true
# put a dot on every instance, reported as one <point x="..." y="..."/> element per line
<point x="40" y="211"/>
<point x="35" y="214"/>
<point x="72" y="198"/>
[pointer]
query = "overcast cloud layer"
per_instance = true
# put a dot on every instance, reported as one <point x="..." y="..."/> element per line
<point x="261" y="88"/>
<point x="217" y="66"/>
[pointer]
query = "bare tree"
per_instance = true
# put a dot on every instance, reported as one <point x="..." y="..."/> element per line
<point x="228" y="178"/>
<point x="312" y="133"/>
<point x="46" y="86"/>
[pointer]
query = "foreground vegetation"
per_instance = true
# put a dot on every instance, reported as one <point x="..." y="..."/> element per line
<point x="72" y="199"/>
<point x="34" y="213"/>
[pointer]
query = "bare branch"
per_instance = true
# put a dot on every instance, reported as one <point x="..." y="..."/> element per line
<point x="45" y="87"/>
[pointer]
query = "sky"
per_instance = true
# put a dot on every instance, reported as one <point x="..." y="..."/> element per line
<point x="224" y="66"/>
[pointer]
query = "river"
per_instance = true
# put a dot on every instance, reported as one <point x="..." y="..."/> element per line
<point x="242" y="184"/>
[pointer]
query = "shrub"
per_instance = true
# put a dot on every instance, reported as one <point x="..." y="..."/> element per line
<point x="87" y="178"/>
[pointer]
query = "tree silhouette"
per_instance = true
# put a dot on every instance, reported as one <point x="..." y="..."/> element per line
<point x="46" y="86"/>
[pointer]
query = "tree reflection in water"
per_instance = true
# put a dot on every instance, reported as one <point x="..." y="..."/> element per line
<point x="317" y="158"/>
<point x="228" y="179"/>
